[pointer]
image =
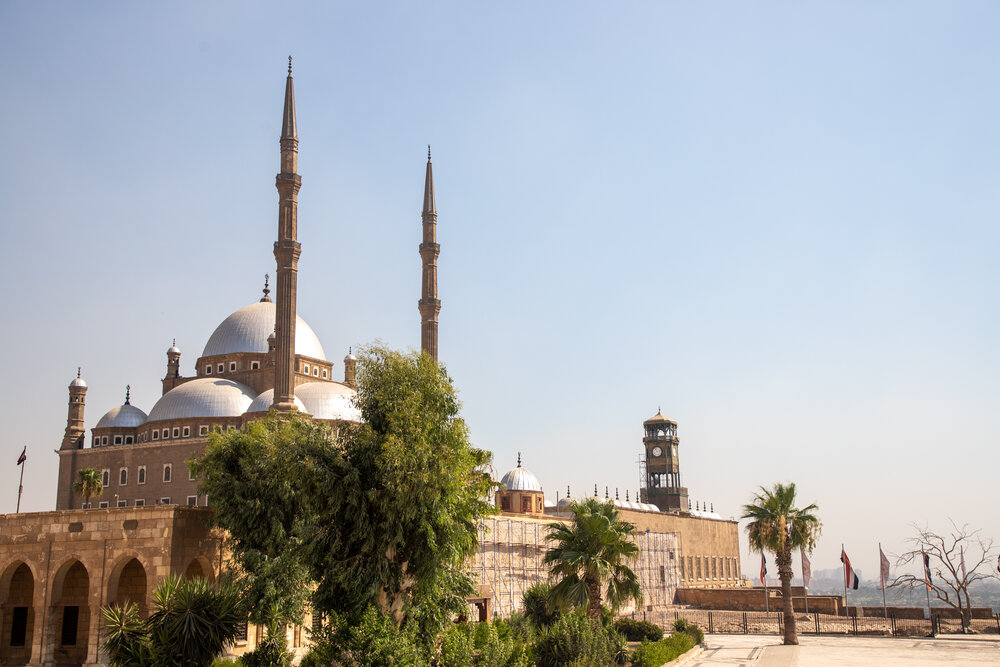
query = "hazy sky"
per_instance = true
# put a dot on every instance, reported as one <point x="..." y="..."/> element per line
<point x="778" y="221"/>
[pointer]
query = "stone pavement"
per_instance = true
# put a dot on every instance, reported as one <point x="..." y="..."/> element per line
<point x="767" y="651"/>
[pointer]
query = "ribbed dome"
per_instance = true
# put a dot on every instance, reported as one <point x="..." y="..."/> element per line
<point x="263" y="402"/>
<point x="204" y="397"/>
<point x="124" y="416"/>
<point x="248" y="328"/>
<point x="520" y="479"/>
<point x="328" y="400"/>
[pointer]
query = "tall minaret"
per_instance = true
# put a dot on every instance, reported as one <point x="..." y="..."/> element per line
<point x="286" y="252"/>
<point x="429" y="304"/>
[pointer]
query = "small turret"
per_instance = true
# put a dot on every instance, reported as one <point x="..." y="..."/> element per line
<point x="74" y="436"/>
<point x="350" y="364"/>
<point x="173" y="367"/>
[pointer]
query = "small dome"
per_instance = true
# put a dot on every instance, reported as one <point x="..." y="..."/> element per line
<point x="203" y="397"/>
<point x="659" y="418"/>
<point x="520" y="479"/>
<point x="565" y="502"/>
<point x="329" y="400"/>
<point x="124" y="416"/>
<point x="173" y="349"/>
<point x="350" y="357"/>
<point x="248" y="329"/>
<point x="78" y="382"/>
<point x="263" y="402"/>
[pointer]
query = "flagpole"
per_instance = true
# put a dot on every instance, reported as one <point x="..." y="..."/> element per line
<point x="927" y="587"/>
<point x="844" y="561"/>
<point x="885" y="609"/>
<point x="20" y="487"/>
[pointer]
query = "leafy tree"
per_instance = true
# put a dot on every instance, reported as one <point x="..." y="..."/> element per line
<point x="191" y="623"/>
<point x="777" y="525"/>
<point x="381" y="513"/>
<point x="590" y="554"/>
<point x="946" y="554"/>
<point x="88" y="483"/>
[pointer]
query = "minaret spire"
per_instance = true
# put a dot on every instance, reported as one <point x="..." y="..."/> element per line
<point x="286" y="253"/>
<point x="429" y="304"/>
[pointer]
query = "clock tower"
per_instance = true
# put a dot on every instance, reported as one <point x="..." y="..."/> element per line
<point x="662" y="483"/>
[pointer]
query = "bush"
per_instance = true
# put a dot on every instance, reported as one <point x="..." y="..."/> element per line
<point x="366" y="638"/>
<point x="654" y="654"/>
<point x="226" y="662"/>
<point x="272" y="652"/>
<point x="578" y="640"/>
<point x="637" y="631"/>
<point x="681" y="625"/>
<point x="538" y="606"/>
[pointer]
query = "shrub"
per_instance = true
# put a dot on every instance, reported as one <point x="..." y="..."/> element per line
<point x="654" y="654"/>
<point x="272" y="652"/>
<point x="457" y="646"/>
<point x="636" y="631"/>
<point x="578" y="640"/>
<point x="538" y="607"/>
<point x="681" y="625"/>
<point x="366" y="638"/>
<point x="226" y="662"/>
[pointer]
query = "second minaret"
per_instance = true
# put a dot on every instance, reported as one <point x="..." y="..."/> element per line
<point x="286" y="252"/>
<point x="429" y="304"/>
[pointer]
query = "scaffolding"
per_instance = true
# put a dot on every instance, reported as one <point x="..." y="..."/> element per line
<point x="511" y="551"/>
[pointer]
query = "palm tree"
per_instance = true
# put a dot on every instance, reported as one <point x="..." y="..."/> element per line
<point x="88" y="483"/>
<point x="777" y="525"/>
<point x="590" y="554"/>
<point x="191" y="623"/>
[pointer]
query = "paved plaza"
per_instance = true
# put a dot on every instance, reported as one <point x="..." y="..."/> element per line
<point x="767" y="651"/>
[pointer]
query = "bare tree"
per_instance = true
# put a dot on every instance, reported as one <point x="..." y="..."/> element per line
<point x="949" y="580"/>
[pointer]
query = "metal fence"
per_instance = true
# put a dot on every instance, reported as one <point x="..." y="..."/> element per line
<point x="772" y="623"/>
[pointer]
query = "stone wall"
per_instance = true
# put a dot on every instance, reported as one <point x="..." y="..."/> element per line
<point x="752" y="599"/>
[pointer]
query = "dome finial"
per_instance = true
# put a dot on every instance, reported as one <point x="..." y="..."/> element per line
<point x="519" y="459"/>
<point x="595" y="490"/>
<point x="626" y="495"/>
<point x="128" y="394"/>
<point x="606" y="494"/>
<point x="616" y="493"/>
<point x="428" y="152"/>
<point x="173" y="342"/>
<point x="267" y="289"/>
<point x="289" y="65"/>
<point x="77" y="371"/>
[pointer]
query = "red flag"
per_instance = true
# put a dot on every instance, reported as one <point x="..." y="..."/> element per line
<point x="24" y="456"/>
<point x="850" y="578"/>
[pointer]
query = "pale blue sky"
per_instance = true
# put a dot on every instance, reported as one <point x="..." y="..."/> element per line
<point x="778" y="221"/>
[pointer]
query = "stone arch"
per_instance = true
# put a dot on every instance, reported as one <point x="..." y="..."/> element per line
<point x="17" y="613"/>
<point x="128" y="583"/>
<point x="199" y="567"/>
<point x="69" y="615"/>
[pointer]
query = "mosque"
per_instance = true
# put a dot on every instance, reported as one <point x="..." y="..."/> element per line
<point x="59" y="568"/>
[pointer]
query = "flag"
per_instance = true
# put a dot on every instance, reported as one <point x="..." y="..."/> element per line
<point x="850" y="578"/>
<point x="806" y="569"/>
<point x="883" y="567"/>
<point x="24" y="456"/>
<point x="763" y="569"/>
<point x="927" y="570"/>
<point x="965" y="575"/>
<point x="998" y="563"/>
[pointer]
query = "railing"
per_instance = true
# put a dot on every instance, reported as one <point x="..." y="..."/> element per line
<point x="772" y="623"/>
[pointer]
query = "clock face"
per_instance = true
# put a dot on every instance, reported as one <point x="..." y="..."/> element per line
<point x="657" y="451"/>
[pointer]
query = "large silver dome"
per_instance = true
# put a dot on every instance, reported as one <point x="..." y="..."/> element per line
<point x="520" y="479"/>
<point x="247" y="330"/>
<point x="263" y="402"/>
<point x="328" y="400"/>
<point x="124" y="416"/>
<point x="204" y="397"/>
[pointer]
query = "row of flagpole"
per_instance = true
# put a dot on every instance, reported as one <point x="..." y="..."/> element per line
<point x="850" y="576"/>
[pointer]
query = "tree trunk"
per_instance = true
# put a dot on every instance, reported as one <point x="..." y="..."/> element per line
<point x="594" y="595"/>
<point x="784" y="559"/>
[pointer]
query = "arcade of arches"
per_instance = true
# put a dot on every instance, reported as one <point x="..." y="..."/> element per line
<point x="57" y="569"/>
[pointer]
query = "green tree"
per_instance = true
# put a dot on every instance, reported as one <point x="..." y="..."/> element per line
<point x="381" y="513"/>
<point x="88" y="483"/>
<point x="191" y="623"/>
<point x="590" y="554"/>
<point x="778" y="526"/>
